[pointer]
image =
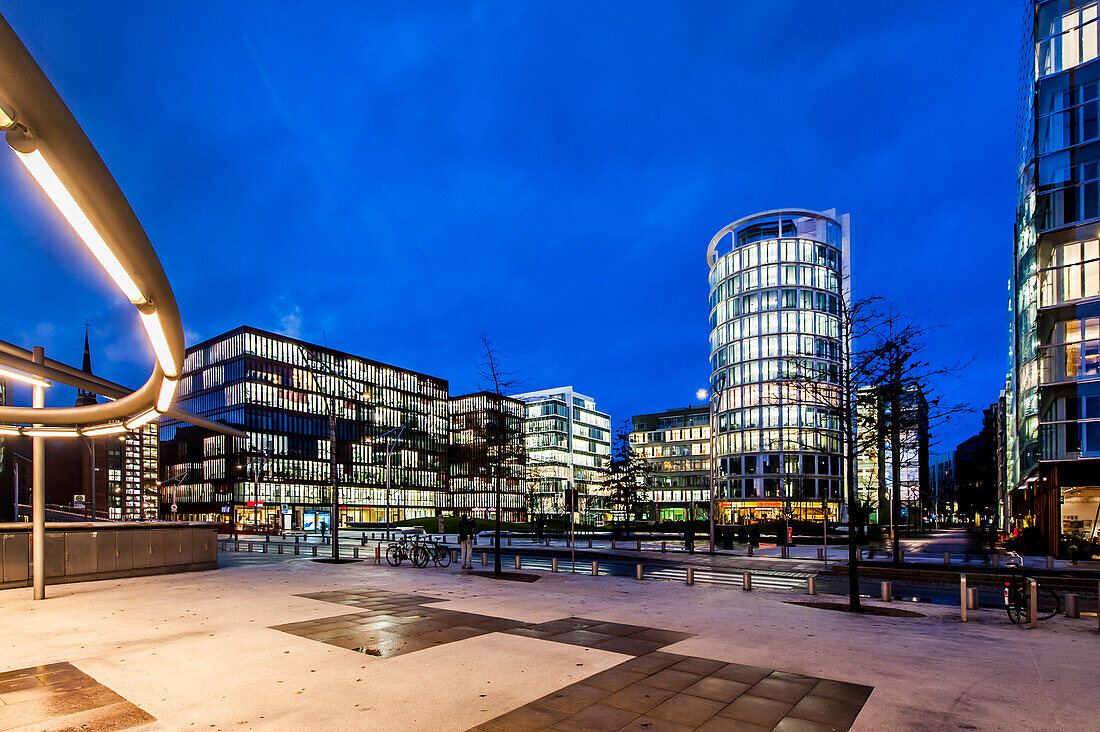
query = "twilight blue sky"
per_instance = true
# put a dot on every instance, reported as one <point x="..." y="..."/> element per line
<point x="399" y="177"/>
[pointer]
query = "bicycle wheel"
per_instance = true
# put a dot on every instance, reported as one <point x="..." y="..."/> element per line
<point x="420" y="556"/>
<point x="1049" y="598"/>
<point x="1017" y="606"/>
<point x="442" y="556"/>
<point x="394" y="555"/>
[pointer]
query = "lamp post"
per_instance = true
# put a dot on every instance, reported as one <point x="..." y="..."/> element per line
<point x="390" y="444"/>
<point x="715" y="403"/>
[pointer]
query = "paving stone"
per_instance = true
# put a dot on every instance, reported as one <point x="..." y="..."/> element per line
<point x="742" y="673"/>
<point x="704" y="666"/>
<point x="572" y="698"/>
<point x="791" y="724"/>
<point x="728" y="724"/>
<point x="529" y="718"/>
<point x="687" y="709"/>
<point x="629" y="646"/>
<point x="651" y="662"/>
<point x="841" y="690"/>
<point x="827" y="711"/>
<point x="661" y="636"/>
<point x="718" y="689"/>
<point x="655" y="724"/>
<point x="779" y="689"/>
<point x="614" y="679"/>
<point x="756" y="710"/>
<point x="639" y="698"/>
<point x="617" y="629"/>
<point x="581" y="638"/>
<point x="672" y="680"/>
<point x="596" y="718"/>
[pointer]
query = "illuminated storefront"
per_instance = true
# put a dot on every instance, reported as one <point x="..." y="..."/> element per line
<point x="776" y="284"/>
<point x="282" y="392"/>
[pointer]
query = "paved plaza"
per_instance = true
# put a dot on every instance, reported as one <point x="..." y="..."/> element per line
<point x="272" y="642"/>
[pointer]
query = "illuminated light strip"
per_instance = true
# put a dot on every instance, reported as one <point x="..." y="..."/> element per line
<point x="164" y="397"/>
<point x="82" y="225"/>
<point x="9" y="430"/>
<point x="25" y="378"/>
<point x="116" y="428"/>
<point x="159" y="341"/>
<point x="142" y="419"/>
<point x="50" y="432"/>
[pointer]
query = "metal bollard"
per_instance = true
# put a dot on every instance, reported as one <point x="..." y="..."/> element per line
<point x="901" y="554"/>
<point x="547" y="542"/>
<point x="509" y="541"/>
<point x="236" y="545"/>
<point x="638" y="571"/>
<point x="296" y="538"/>
<point x="750" y="550"/>
<point x="612" y="543"/>
<point x="297" y="549"/>
<point x="454" y="555"/>
<point x="484" y="558"/>
<point x="553" y="564"/>
<point x="996" y="559"/>
<point x="1032" y="604"/>
<point x="662" y="546"/>
<point x="595" y="568"/>
<point x="962" y="596"/>
<point x="887" y="592"/>
<point x="820" y="554"/>
<point x="947" y="557"/>
<point x="314" y="550"/>
<point x="280" y="548"/>
<point x="691" y="575"/>
<point x="267" y="538"/>
<point x="1073" y="607"/>
<point x="363" y="540"/>
<point x="590" y="542"/>
<point x="517" y="561"/>
<point x="264" y="545"/>
<point x="355" y="552"/>
<point x="250" y="546"/>
<point x="972" y="598"/>
<point x="746" y="581"/>
<point x="1050" y="562"/>
<point x="811" y="585"/>
<point x="639" y="547"/>
<point x="378" y="554"/>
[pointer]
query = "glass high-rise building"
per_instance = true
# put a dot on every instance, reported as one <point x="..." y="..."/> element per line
<point x="776" y="283"/>
<point x="281" y="392"/>
<point x="568" y="446"/>
<point x="1053" y="406"/>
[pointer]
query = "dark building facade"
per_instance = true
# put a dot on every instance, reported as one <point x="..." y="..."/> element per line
<point x="676" y="445"/>
<point x="487" y="455"/>
<point x="283" y="392"/>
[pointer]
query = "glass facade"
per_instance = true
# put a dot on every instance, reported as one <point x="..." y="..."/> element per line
<point x="487" y="453"/>
<point x="676" y="445"/>
<point x="282" y="392"/>
<point x="568" y="445"/>
<point x="776" y="289"/>
<point x="1053" y="433"/>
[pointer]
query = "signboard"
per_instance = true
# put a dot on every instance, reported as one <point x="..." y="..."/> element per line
<point x="256" y="504"/>
<point x="225" y="509"/>
<point x="174" y="508"/>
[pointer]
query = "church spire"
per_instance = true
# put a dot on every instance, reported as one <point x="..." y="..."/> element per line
<point x="84" y="398"/>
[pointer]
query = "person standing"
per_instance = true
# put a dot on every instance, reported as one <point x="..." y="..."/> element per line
<point x="466" y="527"/>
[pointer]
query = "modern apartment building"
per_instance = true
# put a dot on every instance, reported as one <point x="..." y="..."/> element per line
<point x="1054" y="401"/>
<point x="487" y="455"/>
<point x="676" y="445"/>
<point x="300" y="404"/>
<point x="875" y="473"/>
<point x="776" y="288"/>
<point x="568" y="446"/>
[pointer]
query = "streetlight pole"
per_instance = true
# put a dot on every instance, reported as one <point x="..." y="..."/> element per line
<point x="390" y="444"/>
<point x="38" y="491"/>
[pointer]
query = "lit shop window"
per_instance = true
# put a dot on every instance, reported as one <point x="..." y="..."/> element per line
<point x="1073" y="274"/>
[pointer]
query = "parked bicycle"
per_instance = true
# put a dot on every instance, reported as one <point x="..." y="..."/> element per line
<point x="405" y="548"/>
<point x="440" y="554"/>
<point x="1016" y="600"/>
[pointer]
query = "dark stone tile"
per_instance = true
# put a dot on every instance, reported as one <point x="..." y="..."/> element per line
<point x="704" y="666"/>
<point x="687" y="709"/>
<point x="756" y="710"/>
<point x="779" y="689"/>
<point x="672" y="680"/>
<point x="572" y="698"/>
<point x="739" y="672"/>
<point x="18" y="683"/>
<point x="450" y="635"/>
<point x="596" y="718"/>
<point x="32" y="671"/>
<point x="792" y="724"/>
<point x="117" y="716"/>
<point x="841" y="713"/>
<point x="796" y="678"/>
<point x="530" y="632"/>
<point x="629" y="646"/>
<point x="639" y="698"/>
<point x="580" y="638"/>
<point x="567" y="624"/>
<point x="842" y="690"/>
<point x="721" y="690"/>
<point x="617" y="629"/>
<point x="728" y="724"/>
<point x="529" y="718"/>
<point x="614" y="679"/>
<point x="651" y="663"/>
<point x="494" y="625"/>
<point x="655" y="724"/>
<point x="661" y="636"/>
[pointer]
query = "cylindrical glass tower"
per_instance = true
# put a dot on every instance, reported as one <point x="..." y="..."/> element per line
<point x="776" y="283"/>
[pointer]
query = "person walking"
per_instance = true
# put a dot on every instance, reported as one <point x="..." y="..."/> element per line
<point x="466" y="527"/>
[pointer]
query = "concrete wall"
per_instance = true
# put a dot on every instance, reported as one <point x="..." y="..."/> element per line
<point x="80" y="552"/>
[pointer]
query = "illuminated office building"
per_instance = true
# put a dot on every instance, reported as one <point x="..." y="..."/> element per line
<point x="568" y="446"/>
<point x="676" y="446"/>
<point x="487" y="455"/>
<point x="282" y="392"/>
<point x="776" y="283"/>
<point x="1053" y="405"/>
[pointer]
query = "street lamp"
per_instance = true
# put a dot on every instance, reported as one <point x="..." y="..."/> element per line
<point x="715" y="394"/>
<point x="390" y="444"/>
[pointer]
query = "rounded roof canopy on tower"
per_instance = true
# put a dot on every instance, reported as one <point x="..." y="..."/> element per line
<point x="778" y="214"/>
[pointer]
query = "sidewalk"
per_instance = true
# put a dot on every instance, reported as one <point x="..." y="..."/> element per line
<point x="274" y="646"/>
